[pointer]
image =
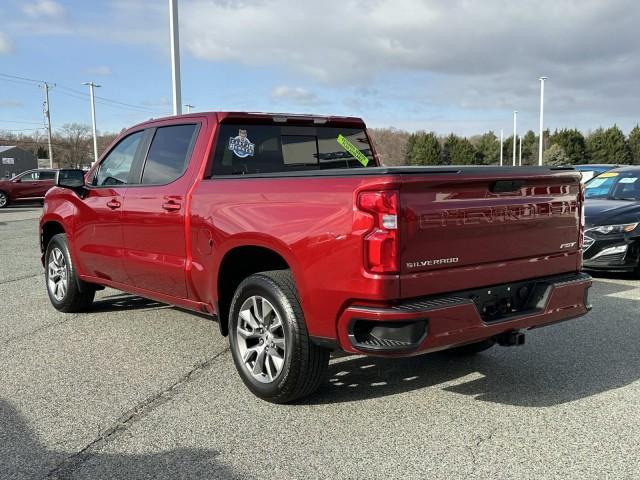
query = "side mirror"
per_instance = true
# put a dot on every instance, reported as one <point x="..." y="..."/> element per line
<point x="72" y="179"/>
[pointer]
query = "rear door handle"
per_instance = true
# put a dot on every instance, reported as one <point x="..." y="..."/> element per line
<point x="113" y="204"/>
<point x="171" y="206"/>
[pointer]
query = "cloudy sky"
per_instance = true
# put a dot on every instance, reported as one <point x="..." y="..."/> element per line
<point x="442" y="65"/>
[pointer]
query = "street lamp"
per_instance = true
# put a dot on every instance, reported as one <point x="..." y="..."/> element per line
<point x="541" y="142"/>
<point x="520" y="153"/>
<point x="175" y="56"/>
<point x="501" y="145"/>
<point x="515" y="131"/>
<point x="93" y="118"/>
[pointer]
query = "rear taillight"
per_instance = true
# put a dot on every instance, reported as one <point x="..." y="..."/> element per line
<point x="381" y="242"/>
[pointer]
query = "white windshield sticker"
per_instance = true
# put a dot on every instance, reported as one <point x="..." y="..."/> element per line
<point x="628" y="180"/>
<point x="241" y="145"/>
<point x="596" y="182"/>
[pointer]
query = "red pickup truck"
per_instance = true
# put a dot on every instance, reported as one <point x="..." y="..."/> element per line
<point x="287" y="230"/>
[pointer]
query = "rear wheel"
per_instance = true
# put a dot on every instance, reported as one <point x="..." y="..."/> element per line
<point x="473" y="348"/>
<point x="4" y="199"/>
<point x="269" y="341"/>
<point x="63" y="285"/>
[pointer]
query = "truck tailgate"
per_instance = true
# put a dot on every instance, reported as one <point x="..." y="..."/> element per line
<point x="479" y="227"/>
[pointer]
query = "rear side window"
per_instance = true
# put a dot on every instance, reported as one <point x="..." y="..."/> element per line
<point x="114" y="170"/>
<point x="168" y="154"/>
<point x="245" y="149"/>
<point x="47" y="175"/>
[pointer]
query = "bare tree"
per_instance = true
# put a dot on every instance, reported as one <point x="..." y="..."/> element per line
<point x="73" y="145"/>
<point x="391" y="145"/>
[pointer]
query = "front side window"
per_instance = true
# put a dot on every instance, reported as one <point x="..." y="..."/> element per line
<point x="245" y="149"/>
<point x="114" y="170"/>
<point x="168" y="154"/>
<point x="29" y="177"/>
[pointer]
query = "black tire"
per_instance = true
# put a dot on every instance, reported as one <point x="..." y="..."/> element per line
<point x="472" y="348"/>
<point x="305" y="364"/>
<point x="4" y="199"/>
<point x="78" y="295"/>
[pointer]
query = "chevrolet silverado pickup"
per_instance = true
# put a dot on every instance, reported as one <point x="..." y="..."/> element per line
<point x="288" y="231"/>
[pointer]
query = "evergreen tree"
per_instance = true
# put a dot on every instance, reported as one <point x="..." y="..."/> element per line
<point x="488" y="147"/>
<point x="555" y="155"/>
<point x="572" y="143"/>
<point x="530" y="148"/>
<point x="423" y="149"/>
<point x="608" y="146"/>
<point x="459" y="151"/>
<point x="634" y="145"/>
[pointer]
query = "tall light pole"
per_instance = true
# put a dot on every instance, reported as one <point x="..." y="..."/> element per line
<point x="541" y="140"/>
<point x="515" y="131"/>
<point x="501" y="145"/>
<point x="47" y="114"/>
<point x="188" y="106"/>
<point x="175" y="57"/>
<point x="520" y="153"/>
<point x="93" y="118"/>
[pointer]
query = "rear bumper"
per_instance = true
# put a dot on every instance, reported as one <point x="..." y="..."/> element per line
<point x="437" y="323"/>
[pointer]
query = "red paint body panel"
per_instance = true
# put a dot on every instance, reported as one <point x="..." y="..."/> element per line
<point x="314" y="224"/>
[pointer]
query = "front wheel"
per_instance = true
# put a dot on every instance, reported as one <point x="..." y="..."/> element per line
<point x="63" y="286"/>
<point x="4" y="199"/>
<point x="269" y="341"/>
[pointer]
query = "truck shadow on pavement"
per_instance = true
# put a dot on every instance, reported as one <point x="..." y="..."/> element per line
<point x="124" y="301"/>
<point x="559" y="364"/>
<point x="22" y="455"/>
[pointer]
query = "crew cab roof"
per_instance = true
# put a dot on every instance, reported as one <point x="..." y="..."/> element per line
<point x="266" y="117"/>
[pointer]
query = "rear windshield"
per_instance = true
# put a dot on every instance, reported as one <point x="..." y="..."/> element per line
<point x="245" y="149"/>
<point x="615" y="186"/>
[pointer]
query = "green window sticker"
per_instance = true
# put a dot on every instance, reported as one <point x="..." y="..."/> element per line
<point x="353" y="150"/>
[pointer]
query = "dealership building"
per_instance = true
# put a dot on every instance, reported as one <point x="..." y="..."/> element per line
<point x="14" y="160"/>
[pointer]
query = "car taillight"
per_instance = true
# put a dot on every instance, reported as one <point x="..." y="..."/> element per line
<point x="381" y="242"/>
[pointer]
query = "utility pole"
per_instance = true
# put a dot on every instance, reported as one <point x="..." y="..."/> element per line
<point x="501" y="145"/>
<point x="175" y="57"/>
<point x="189" y="107"/>
<point x="520" y="154"/>
<point x="47" y="114"/>
<point x="515" y="131"/>
<point x="541" y="139"/>
<point x="93" y="119"/>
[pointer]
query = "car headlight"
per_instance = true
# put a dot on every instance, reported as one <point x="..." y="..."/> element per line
<point x="607" y="229"/>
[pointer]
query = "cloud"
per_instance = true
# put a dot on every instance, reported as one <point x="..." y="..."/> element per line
<point x="43" y="9"/>
<point x="102" y="71"/>
<point x="296" y="95"/>
<point x="11" y="104"/>
<point x="6" y="44"/>
<point x="462" y="54"/>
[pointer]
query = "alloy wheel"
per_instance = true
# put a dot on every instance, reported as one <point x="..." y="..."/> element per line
<point x="57" y="274"/>
<point x="261" y="339"/>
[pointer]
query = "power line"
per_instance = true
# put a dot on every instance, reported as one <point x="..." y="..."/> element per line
<point x="81" y="95"/>
<point x="25" y="79"/>
<point x="21" y="121"/>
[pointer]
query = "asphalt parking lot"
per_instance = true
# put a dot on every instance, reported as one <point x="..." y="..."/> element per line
<point x="136" y="389"/>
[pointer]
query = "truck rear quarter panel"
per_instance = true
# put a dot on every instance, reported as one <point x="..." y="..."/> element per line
<point x="308" y="221"/>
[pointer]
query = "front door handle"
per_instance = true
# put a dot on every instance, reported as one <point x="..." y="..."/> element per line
<point x="171" y="206"/>
<point x="113" y="204"/>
